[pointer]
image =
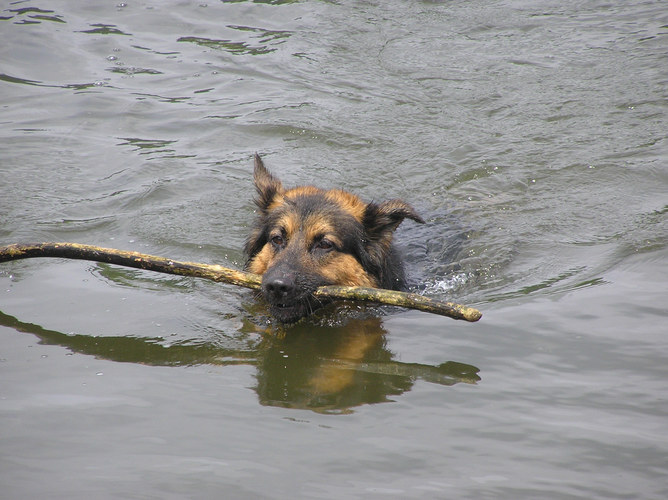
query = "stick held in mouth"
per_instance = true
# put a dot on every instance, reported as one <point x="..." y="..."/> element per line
<point x="230" y="276"/>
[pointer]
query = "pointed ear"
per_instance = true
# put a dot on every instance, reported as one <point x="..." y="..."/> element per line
<point x="381" y="220"/>
<point x="267" y="186"/>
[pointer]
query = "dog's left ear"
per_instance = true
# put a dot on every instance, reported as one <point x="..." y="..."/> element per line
<point x="381" y="220"/>
<point x="267" y="186"/>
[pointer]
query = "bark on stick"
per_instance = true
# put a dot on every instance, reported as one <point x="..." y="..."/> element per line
<point x="231" y="276"/>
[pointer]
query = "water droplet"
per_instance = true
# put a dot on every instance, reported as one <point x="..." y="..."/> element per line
<point x="44" y="356"/>
<point x="99" y="374"/>
<point x="111" y="58"/>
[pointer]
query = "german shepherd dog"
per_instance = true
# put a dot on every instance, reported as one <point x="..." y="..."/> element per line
<point x="306" y="237"/>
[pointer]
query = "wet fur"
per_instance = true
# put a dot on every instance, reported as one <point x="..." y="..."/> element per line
<point x="306" y="237"/>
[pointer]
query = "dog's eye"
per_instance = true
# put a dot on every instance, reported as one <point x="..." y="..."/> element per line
<point x="277" y="240"/>
<point x="323" y="244"/>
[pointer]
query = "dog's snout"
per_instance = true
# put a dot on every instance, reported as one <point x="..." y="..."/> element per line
<point x="285" y="295"/>
<point x="280" y="286"/>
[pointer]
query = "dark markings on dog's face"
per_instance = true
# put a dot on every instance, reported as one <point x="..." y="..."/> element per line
<point x="306" y="237"/>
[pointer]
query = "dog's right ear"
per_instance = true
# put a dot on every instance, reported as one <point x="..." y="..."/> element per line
<point x="268" y="187"/>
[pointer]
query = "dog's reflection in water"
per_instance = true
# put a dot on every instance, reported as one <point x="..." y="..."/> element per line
<point x="308" y="365"/>
<point x="335" y="368"/>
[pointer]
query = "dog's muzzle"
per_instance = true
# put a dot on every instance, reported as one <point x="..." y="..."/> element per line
<point x="287" y="301"/>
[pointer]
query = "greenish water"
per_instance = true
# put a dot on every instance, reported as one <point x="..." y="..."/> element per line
<point x="530" y="136"/>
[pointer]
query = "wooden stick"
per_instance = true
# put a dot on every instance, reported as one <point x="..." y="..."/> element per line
<point x="401" y="299"/>
<point x="130" y="259"/>
<point x="230" y="276"/>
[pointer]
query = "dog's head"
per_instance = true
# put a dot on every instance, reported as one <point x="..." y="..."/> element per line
<point x="306" y="237"/>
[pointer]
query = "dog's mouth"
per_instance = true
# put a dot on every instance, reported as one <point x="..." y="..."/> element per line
<point x="288" y="298"/>
<point x="289" y="312"/>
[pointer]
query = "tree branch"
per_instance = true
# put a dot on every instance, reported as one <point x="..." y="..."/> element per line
<point x="230" y="276"/>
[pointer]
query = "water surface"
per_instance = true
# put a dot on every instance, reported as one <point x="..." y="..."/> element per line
<point x="530" y="136"/>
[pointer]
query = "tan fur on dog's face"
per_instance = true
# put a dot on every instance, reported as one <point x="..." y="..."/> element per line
<point x="306" y="237"/>
<point x="313" y="238"/>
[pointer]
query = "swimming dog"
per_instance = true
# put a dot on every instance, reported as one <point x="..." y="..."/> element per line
<point x="305" y="237"/>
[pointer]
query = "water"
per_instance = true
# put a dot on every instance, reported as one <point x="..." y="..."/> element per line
<point x="531" y="137"/>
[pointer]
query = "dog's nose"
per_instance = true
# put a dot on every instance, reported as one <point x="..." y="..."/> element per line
<point x="280" y="286"/>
